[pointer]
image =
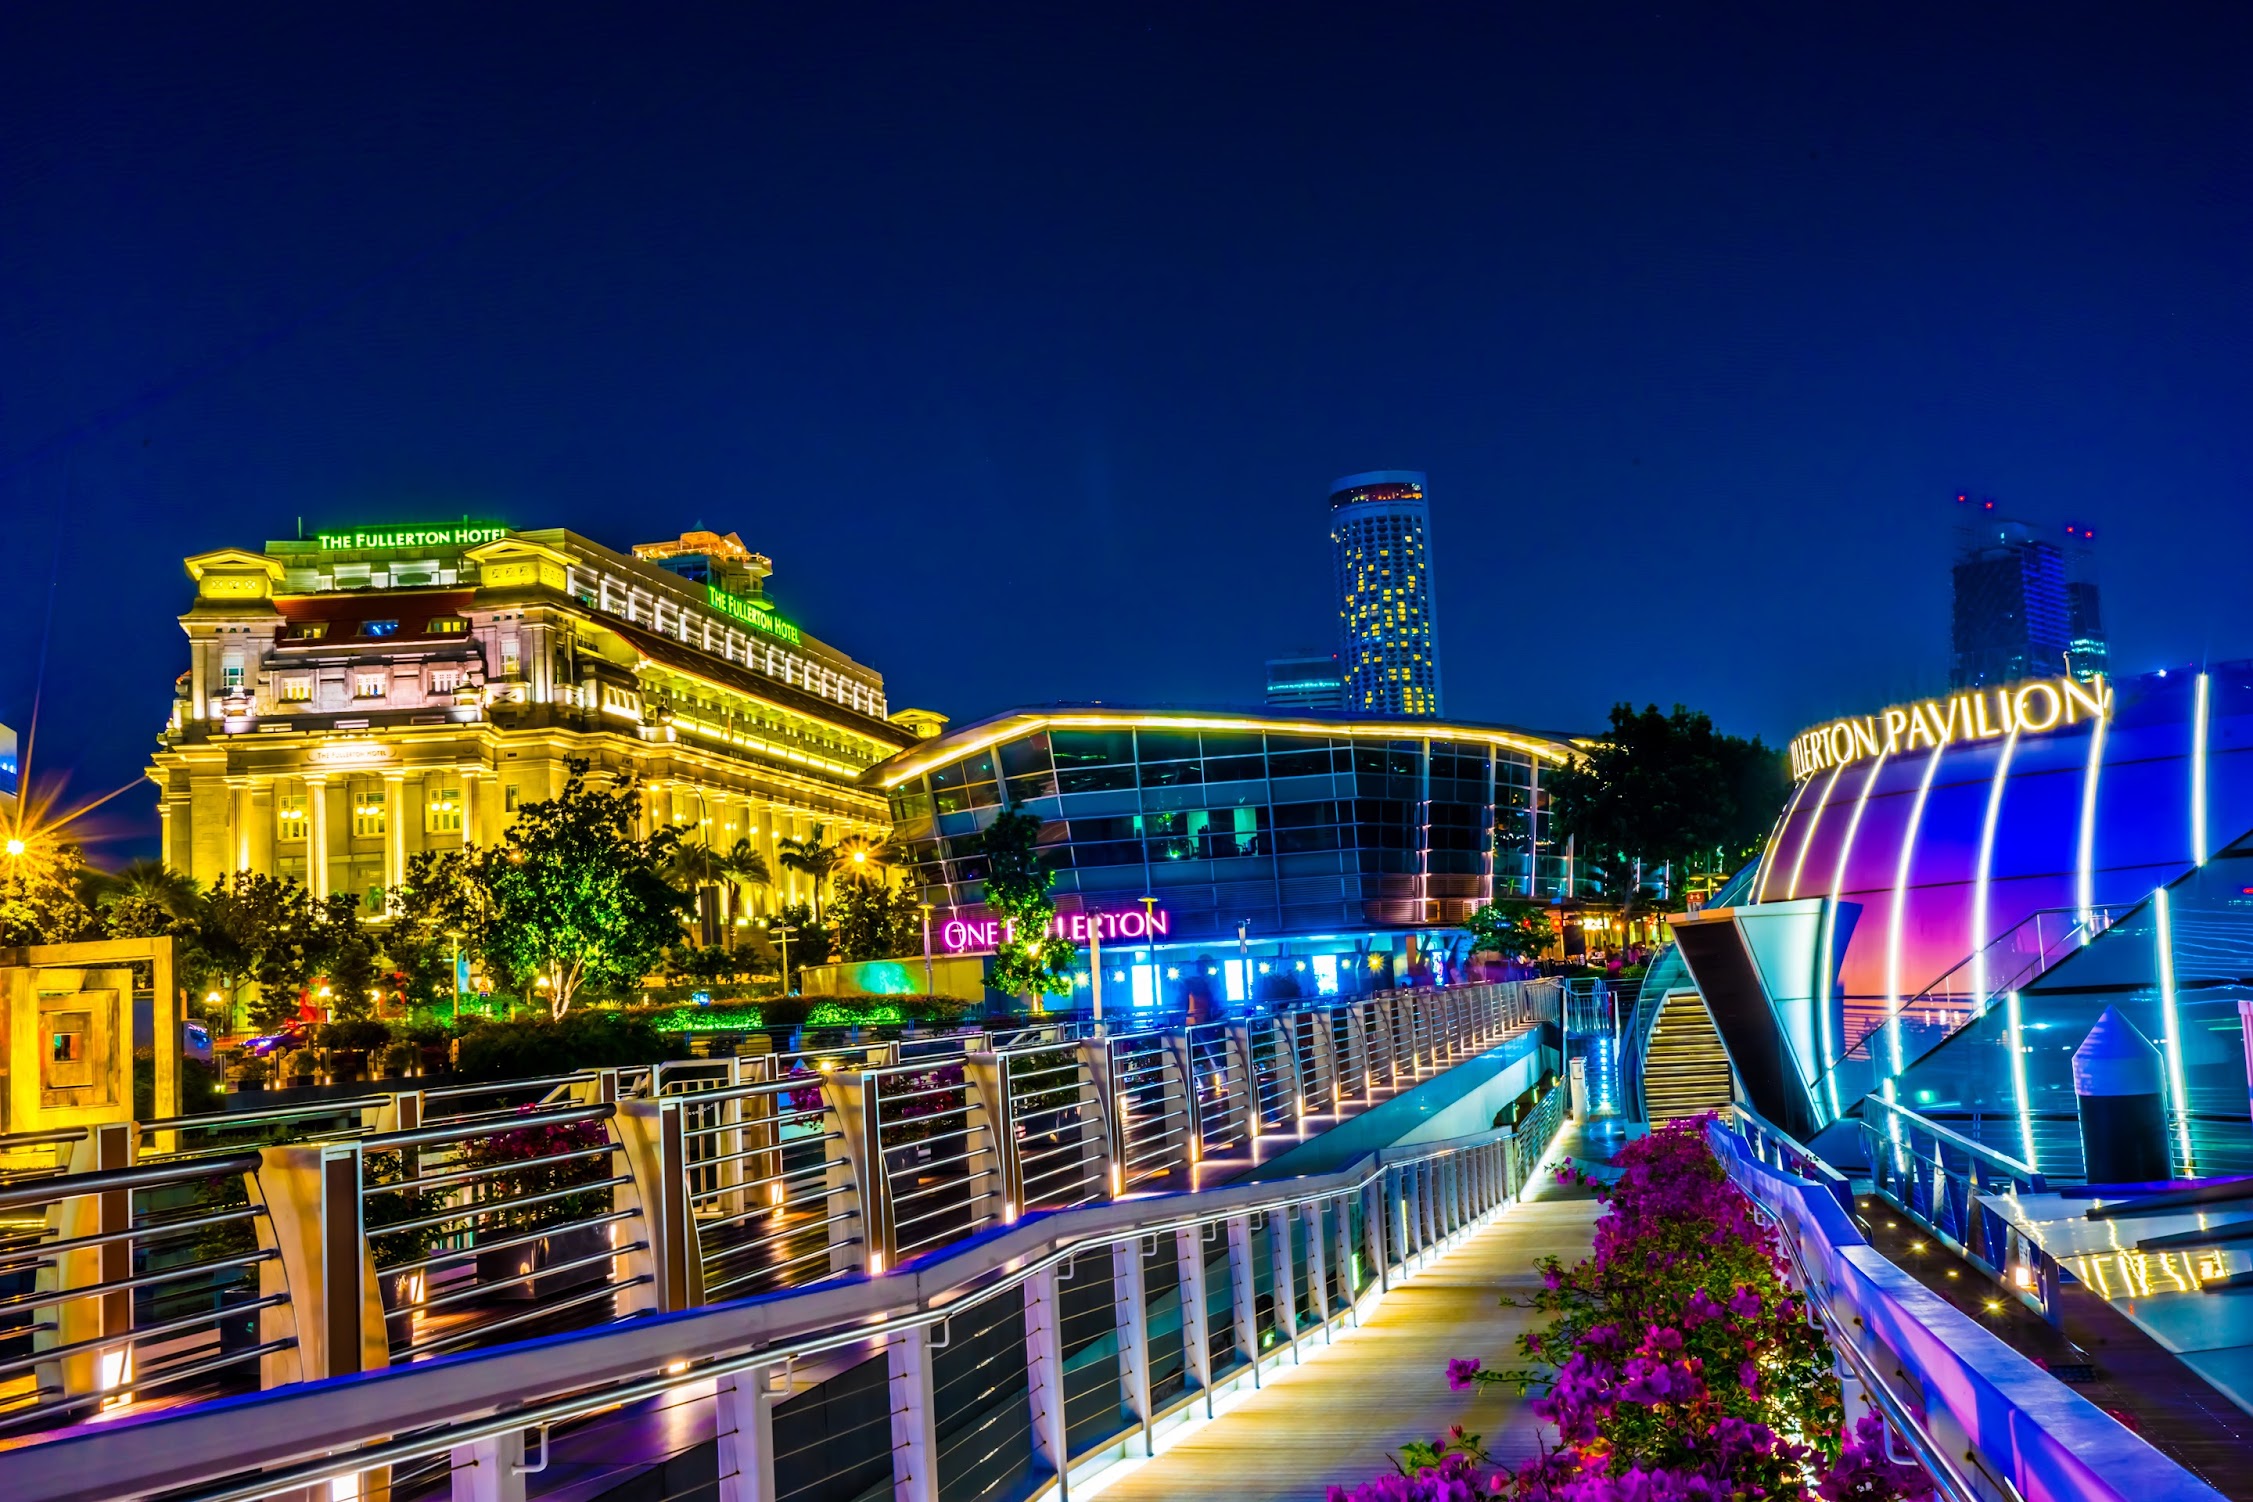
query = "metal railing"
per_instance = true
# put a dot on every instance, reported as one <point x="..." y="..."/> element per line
<point x="1937" y="1178"/>
<point x="397" y="1228"/>
<point x="1984" y="1421"/>
<point x="1010" y="1365"/>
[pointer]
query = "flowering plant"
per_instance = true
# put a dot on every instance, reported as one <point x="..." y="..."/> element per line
<point x="1678" y="1363"/>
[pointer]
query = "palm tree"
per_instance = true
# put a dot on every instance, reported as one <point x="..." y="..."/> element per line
<point x="146" y="897"/>
<point x="743" y="867"/>
<point x="695" y="867"/>
<point x="813" y="855"/>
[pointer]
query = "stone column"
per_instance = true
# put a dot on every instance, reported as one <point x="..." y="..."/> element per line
<point x="261" y="836"/>
<point x="317" y="836"/>
<point x="394" y="828"/>
<point x="238" y="824"/>
<point x="472" y="822"/>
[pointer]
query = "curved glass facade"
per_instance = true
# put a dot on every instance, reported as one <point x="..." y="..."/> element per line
<point x="1956" y="875"/>
<point x="1290" y="826"/>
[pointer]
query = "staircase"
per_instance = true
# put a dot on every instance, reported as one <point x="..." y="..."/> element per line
<point x="1685" y="1070"/>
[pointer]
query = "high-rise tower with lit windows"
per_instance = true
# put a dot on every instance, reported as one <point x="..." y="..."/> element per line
<point x="1380" y="534"/>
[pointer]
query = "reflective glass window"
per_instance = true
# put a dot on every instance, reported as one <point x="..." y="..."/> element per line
<point x="1167" y="745"/>
<point x="1091" y="748"/>
<point x="1092" y="779"/>
<point x="1028" y="754"/>
<point x="1167" y="774"/>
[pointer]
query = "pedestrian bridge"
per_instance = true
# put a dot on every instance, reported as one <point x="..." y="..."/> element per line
<point x="913" y="1206"/>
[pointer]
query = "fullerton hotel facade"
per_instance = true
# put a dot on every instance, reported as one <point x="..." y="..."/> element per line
<point x="361" y="696"/>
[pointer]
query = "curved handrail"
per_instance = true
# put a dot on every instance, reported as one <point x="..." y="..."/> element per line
<point x="315" y="1432"/>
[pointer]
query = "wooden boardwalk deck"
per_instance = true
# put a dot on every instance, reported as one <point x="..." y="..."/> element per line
<point x="1338" y="1417"/>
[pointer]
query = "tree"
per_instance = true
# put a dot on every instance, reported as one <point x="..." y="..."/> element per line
<point x="144" y="899"/>
<point x="875" y="922"/>
<point x="439" y="911"/>
<point x="744" y="868"/>
<point x="1030" y="961"/>
<point x="696" y="868"/>
<point x="814" y="856"/>
<point x="346" y="954"/>
<point x="1515" y="929"/>
<point x="40" y="900"/>
<point x="261" y="929"/>
<point x="1666" y="789"/>
<point x="576" y="900"/>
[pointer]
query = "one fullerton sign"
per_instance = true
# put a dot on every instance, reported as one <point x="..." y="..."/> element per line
<point x="1974" y="715"/>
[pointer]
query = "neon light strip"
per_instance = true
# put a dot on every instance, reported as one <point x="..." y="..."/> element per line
<point x="1979" y="881"/>
<point x="2018" y="1082"/>
<point x="2085" y="865"/>
<point x="2179" y="1098"/>
<point x="946" y="748"/>
<point x="1808" y="838"/>
<point x="2198" y="778"/>
<point x="1893" y="1130"/>
<point x="1775" y="838"/>
<point x="1900" y="906"/>
<point x="1824" y="1040"/>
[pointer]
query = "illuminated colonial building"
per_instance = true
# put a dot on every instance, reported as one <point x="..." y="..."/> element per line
<point x="357" y="697"/>
<point x="1379" y="537"/>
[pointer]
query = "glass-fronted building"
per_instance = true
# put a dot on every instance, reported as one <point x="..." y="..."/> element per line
<point x="1380" y="539"/>
<point x="1961" y="887"/>
<point x="1342" y="853"/>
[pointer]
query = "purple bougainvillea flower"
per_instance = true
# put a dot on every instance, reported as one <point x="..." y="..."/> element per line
<point x="1462" y="1373"/>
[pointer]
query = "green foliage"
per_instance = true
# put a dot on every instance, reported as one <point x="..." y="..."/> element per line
<point x="712" y="1019"/>
<point x="810" y="941"/>
<point x="1514" y="929"/>
<point x="839" y="1014"/>
<point x="814" y="856"/>
<point x="574" y="898"/>
<point x="40" y="901"/>
<point x="364" y="1034"/>
<point x="590" y="1038"/>
<point x="1030" y="961"/>
<point x="145" y="899"/>
<point x="875" y="922"/>
<point x="1667" y="789"/>
<point x="439" y="907"/>
<point x="263" y="929"/>
<point x="347" y="956"/>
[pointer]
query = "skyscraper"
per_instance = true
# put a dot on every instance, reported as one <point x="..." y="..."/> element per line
<point x="1306" y="679"/>
<point x="2020" y="611"/>
<point x="1380" y="536"/>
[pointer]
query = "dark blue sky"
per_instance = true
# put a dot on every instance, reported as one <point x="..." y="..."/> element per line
<point x="1025" y="344"/>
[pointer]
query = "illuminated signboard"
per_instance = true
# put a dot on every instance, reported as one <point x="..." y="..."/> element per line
<point x="977" y="936"/>
<point x="1974" y="715"/>
<point x="458" y="535"/>
<point x="754" y="615"/>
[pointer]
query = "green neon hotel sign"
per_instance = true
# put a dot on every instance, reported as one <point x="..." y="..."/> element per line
<point x="756" y="616"/>
<point x="443" y="535"/>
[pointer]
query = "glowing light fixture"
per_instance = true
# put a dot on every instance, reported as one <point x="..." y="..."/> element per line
<point x="1900" y="908"/>
<point x="1985" y="871"/>
<point x="2017" y="1034"/>
<point x="2177" y="1099"/>
<point x="2085" y="859"/>
<point x="2198" y="776"/>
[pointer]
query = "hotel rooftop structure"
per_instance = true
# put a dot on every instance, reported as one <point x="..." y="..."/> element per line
<point x="360" y="696"/>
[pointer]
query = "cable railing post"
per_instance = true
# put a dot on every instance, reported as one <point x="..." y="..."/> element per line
<point x="1357" y="1045"/>
<point x="1284" y="1033"/>
<point x="489" y="1469"/>
<point x="1130" y="1321"/>
<point x="1097" y="1089"/>
<point x="1317" y="1269"/>
<point x="855" y="1177"/>
<point x="1247" y="1075"/>
<point x="743" y="1410"/>
<point x="1196" y="1334"/>
<point x="1349" y="1286"/>
<point x="1397" y="1250"/>
<point x="987" y="1076"/>
<point x="1044" y="1376"/>
<point x="1243" y="1302"/>
<point x="915" y="1435"/>
<point x="1192" y="1110"/>
<point x="1286" y="1302"/>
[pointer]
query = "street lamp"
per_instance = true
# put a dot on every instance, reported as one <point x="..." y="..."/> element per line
<point x="927" y="987"/>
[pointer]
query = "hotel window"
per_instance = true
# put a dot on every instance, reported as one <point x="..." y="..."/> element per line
<point x="309" y="631"/>
<point x="297" y="690"/>
<point x="379" y="628"/>
<point x="448" y="625"/>
<point x="231" y="673"/>
<point x="289" y="817"/>
<point x="367" y="813"/>
<point x="509" y="663"/>
<point x="508" y="798"/>
<point x="369" y="685"/>
<point x="445" y="680"/>
<point x="442" y="813"/>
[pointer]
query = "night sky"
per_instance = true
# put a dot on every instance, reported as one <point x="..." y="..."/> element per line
<point x="1026" y="344"/>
